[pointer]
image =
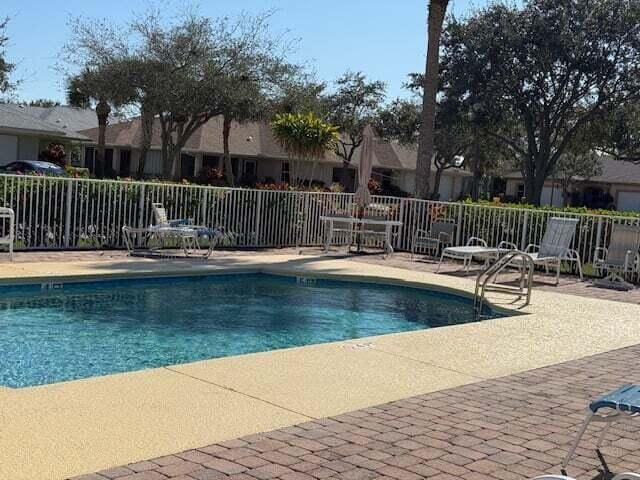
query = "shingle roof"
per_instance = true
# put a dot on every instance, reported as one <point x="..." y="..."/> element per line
<point x="66" y="117"/>
<point x="613" y="171"/>
<point x="253" y="139"/>
<point x="21" y="118"/>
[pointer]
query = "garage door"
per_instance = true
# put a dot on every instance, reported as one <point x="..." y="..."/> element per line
<point x="8" y="149"/>
<point x="628" y="201"/>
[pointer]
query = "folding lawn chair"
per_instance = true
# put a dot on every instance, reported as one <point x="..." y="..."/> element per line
<point x="619" y="405"/>
<point x="620" y="258"/>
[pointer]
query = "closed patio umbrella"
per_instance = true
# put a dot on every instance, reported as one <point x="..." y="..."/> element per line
<point x="363" y="196"/>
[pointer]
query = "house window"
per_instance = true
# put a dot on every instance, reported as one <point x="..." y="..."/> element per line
<point x="383" y="176"/>
<point x="520" y="193"/>
<point x="108" y="162"/>
<point x="346" y="177"/>
<point x="187" y="166"/>
<point x="249" y="168"/>
<point x="284" y="175"/>
<point x="210" y="161"/>
<point x="89" y="158"/>
<point x="125" y="163"/>
<point x="75" y="157"/>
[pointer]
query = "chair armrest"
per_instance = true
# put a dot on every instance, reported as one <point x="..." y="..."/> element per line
<point x="507" y="246"/>
<point x="630" y="259"/>
<point x="420" y="232"/>
<point x="532" y="247"/>
<point x="476" y="240"/>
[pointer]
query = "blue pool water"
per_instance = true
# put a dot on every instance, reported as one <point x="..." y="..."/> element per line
<point x="89" y="329"/>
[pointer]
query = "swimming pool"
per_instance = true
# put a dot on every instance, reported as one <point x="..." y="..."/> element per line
<point x="88" y="329"/>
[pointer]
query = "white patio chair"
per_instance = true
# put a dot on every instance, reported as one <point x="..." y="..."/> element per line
<point x="439" y="236"/>
<point x="556" y="246"/>
<point x="376" y="232"/>
<point x="341" y="226"/>
<point x="620" y="259"/>
<point x="8" y="239"/>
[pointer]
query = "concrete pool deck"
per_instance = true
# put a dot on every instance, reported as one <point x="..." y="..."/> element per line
<point x="66" y="429"/>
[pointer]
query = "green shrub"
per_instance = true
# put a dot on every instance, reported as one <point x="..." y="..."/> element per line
<point x="549" y="208"/>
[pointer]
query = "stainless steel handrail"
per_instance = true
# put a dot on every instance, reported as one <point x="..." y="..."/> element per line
<point x="526" y="267"/>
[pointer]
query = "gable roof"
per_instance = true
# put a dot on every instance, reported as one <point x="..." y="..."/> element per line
<point x="23" y="119"/>
<point x="613" y="171"/>
<point x="251" y="139"/>
<point x="67" y="117"/>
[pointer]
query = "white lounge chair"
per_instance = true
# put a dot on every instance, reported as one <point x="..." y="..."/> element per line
<point x="556" y="246"/>
<point x="180" y="229"/>
<point x="620" y="259"/>
<point x="164" y="229"/>
<point x="620" y="405"/>
<point x="620" y="476"/>
<point x="475" y="248"/>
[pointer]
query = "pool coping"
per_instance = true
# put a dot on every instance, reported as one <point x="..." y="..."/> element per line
<point x="85" y="425"/>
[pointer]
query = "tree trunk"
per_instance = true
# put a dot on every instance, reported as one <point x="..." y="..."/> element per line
<point x="228" y="166"/>
<point x="166" y="161"/>
<point x="533" y="189"/>
<point x="435" y="195"/>
<point x="176" y="152"/>
<point x="103" y="110"/>
<point x="146" y="120"/>
<point x="476" y="169"/>
<point x="437" y="9"/>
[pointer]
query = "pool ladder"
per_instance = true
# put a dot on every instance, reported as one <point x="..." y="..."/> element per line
<point x="487" y="280"/>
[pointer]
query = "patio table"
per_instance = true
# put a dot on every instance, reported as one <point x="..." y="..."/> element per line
<point x="359" y="226"/>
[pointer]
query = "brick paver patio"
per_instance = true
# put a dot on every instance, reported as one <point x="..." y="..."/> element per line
<point x="511" y="428"/>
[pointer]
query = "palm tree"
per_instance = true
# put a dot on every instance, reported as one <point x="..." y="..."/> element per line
<point x="103" y="87"/>
<point x="437" y="10"/>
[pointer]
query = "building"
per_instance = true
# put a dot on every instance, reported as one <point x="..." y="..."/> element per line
<point x="257" y="155"/>
<point x="617" y="186"/>
<point x="26" y="131"/>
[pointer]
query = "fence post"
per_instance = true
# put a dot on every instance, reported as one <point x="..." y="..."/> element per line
<point x="598" y="234"/>
<point x="401" y="229"/>
<point x="141" y="216"/>
<point x="203" y="206"/>
<point x="459" y="226"/>
<point x="141" y="201"/>
<point x="305" y="219"/>
<point x="525" y="231"/>
<point x="256" y="234"/>
<point x="67" y="215"/>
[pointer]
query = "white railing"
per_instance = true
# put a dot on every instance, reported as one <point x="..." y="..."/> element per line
<point x="56" y="213"/>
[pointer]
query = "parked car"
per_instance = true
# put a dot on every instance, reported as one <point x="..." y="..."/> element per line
<point x="30" y="167"/>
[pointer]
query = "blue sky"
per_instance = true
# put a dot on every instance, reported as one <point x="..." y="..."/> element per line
<point x="385" y="39"/>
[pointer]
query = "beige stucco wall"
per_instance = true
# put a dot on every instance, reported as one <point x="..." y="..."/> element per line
<point x="450" y="184"/>
<point x="8" y="149"/>
<point x="614" y="189"/>
<point x="28" y="148"/>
